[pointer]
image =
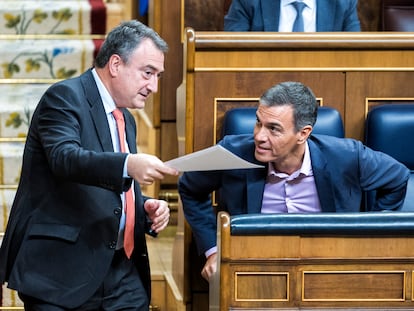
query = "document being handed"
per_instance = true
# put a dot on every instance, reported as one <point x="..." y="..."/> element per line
<point x="209" y="159"/>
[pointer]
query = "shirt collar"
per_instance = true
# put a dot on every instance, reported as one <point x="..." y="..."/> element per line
<point x="108" y="102"/>
<point x="309" y="3"/>
<point x="306" y="168"/>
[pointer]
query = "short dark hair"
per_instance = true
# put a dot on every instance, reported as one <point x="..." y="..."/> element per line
<point x="297" y="95"/>
<point x="124" y="39"/>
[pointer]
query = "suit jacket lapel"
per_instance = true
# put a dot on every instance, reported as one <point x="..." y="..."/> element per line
<point x="325" y="21"/>
<point x="255" y="180"/>
<point x="323" y="179"/>
<point x="270" y="14"/>
<point x="130" y="132"/>
<point x="97" y="111"/>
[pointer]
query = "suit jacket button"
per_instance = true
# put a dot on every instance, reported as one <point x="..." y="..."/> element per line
<point x="112" y="244"/>
<point x="117" y="211"/>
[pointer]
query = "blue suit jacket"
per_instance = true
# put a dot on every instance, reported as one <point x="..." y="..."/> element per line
<point x="64" y="222"/>
<point x="263" y="15"/>
<point x="343" y="170"/>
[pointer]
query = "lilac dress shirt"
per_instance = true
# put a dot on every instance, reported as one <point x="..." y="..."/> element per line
<point x="295" y="193"/>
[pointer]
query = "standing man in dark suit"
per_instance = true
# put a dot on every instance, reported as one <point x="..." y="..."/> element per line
<point x="302" y="172"/>
<point x="280" y="15"/>
<point x="63" y="247"/>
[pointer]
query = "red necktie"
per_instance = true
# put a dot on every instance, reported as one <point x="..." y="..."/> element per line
<point x="129" y="199"/>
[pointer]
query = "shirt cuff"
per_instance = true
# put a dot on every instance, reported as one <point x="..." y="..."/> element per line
<point x="125" y="173"/>
<point x="211" y="251"/>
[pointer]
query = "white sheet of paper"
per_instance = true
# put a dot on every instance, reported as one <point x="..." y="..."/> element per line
<point x="209" y="159"/>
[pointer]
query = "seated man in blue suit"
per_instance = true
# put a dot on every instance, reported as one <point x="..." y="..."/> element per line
<point x="280" y="15"/>
<point x="302" y="172"/>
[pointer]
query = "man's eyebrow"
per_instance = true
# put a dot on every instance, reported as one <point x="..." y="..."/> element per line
<point x="155" y="69"/>
<point x="273" y="124"/>
<point x="267" y="123"/>
<point x="152" y="68"/>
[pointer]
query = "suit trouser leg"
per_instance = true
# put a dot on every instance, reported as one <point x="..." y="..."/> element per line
<point x="122" y="289"/>
<point x="33" y="304"/>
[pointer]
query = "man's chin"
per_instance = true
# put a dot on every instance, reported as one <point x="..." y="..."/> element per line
<point x="139" y="105"/>
<point x="261" y="157"/>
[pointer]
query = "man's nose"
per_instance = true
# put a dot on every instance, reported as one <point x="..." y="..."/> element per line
<point x="260" y="132"/>
<point x="153" y="84"/>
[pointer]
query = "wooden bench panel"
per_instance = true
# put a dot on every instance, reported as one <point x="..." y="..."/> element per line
<point x="302" y="271"/>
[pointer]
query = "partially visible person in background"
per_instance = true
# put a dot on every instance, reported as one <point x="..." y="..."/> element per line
<point x="75" y="238"/>
<point x="292" y="15"/>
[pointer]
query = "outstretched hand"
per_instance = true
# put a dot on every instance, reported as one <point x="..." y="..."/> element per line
<point x="146" y="168"/>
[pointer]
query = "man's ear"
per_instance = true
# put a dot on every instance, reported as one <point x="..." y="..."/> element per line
<point x="304" y="133"/>
<point x="113" y="64"/>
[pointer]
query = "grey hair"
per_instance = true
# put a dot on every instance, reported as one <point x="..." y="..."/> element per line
<point x="124" y="39"/>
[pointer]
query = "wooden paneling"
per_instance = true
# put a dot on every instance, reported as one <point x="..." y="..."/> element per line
<point x="218" y="85"/>
<point x="369" y="12"/>
<point x="164" y="17"/>
<point x="375" y="84"/>
<point x="342" y="69"/>
<point x="367" y="285"/>
<point x="269" y="272"/>
<point x="204" y="14"/>
<point x="148" y="139"/>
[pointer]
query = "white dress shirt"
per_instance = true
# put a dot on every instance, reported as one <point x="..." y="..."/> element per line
<point x="288" y="15"/>
<point x="109" y="106"/>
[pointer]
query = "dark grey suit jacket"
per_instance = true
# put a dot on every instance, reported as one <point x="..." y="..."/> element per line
<point x="63" y="226"/>
<point x="263" y="15"/>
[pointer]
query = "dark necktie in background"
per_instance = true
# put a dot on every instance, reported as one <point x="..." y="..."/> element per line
<point x="129" y="198"/>
<point x="298" y="25"/>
